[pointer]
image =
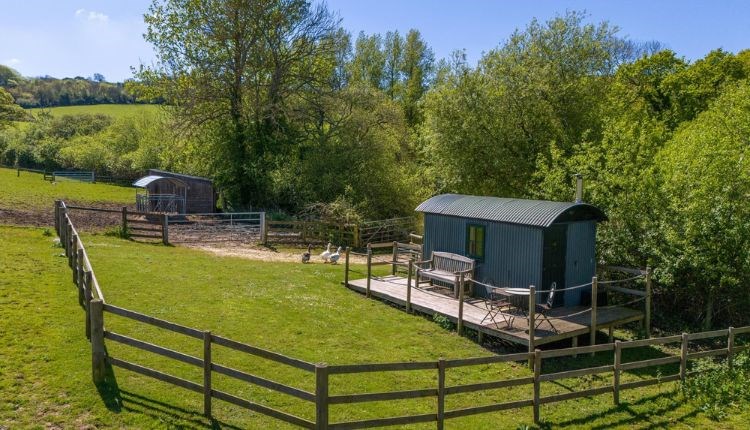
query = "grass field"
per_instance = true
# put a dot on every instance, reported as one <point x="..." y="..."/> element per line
<point x="30" y="192"/>
<point x="302" y="311"/>
<point x="113" y="110"/>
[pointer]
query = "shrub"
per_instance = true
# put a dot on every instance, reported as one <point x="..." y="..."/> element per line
<point x="716" y="387"/>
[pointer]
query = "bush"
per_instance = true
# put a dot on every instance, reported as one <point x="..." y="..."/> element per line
<point x="716" y="387"/>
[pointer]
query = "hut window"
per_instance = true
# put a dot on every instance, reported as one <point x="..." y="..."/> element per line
<point x="475" y="241"/>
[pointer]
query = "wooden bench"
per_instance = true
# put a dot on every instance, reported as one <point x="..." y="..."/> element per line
<point x="445" y="267"/>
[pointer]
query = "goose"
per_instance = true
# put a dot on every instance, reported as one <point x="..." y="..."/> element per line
<point x="334" y="258"/>
<point x="306" y="255"/>
<point x="326" y="254"/>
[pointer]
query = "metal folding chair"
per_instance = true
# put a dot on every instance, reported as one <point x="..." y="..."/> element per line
<point x="497" y="304"/>
<point x="544" y="308"/>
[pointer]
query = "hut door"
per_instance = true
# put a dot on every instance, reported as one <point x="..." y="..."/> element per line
<point x="553" y="263"/>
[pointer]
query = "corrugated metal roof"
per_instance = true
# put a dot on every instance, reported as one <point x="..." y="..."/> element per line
<point x="537" y="213"/>
<point x="144" y="181"/>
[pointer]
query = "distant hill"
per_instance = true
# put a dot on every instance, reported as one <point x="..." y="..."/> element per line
<point x="47" y="91"/>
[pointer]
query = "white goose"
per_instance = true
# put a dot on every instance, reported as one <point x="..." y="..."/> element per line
<point x="306" y="255"/>
<point x="334" y="258"/>
<point x="325" y="255"/>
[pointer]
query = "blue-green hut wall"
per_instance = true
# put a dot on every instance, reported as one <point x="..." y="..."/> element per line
<point x="513" y="253"/>
<point x="580" y="259"/>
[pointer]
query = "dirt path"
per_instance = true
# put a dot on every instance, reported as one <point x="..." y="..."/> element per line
<point x="262" y="253"/>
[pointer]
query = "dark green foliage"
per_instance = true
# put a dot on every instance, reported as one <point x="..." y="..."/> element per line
<point x="48" y="91"/>
<point x="717" y="388"/>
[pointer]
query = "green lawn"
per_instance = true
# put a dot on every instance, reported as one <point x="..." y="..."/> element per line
<point x="299" y="310"/>
<point x="113" y="110"/>
<point x="30" y="192"/>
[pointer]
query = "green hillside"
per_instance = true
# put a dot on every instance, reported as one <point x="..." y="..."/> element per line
<point x="113" y="110"/>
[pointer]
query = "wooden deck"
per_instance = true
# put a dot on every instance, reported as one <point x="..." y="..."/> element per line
<point x="393" y="289"/>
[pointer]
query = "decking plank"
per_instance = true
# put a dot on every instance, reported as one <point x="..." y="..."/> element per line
<point x="393" y="289"/>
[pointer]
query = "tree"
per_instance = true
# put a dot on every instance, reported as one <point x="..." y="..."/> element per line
<point x="393" y="53"/>
<point x="9" y="110"/>
<point x="488" y="128"/>
<point x="369" y="60"/>
<point x="417" y="68"/>
<point x="236" y="71"/>
<point x="706" y="235"/>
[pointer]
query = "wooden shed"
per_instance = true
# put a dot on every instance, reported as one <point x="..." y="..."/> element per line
<point x="517" y="242"/>
<point x="170" y="192"/>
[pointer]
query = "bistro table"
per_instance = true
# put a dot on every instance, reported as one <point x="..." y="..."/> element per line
<point x="515" y="297"/>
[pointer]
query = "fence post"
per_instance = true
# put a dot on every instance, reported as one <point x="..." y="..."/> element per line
<point x="460" y="327"/>
<point x="408" y="285"/>
<point x="346" y="267"/>
<point x="263" y="229"/>
<point x="395" y="257"/>
<point x="537" y="359"/>
<point x="441" y="394"/>
<point x="532" y="321"/>
<point x="68" y="234"/>
<point x="87" y="296"/>
<point x="647" y="317"/>
<point x="683" y="357"/>
<point x="369" y="268"/>
<point x="79" y="275"/>
<point x="730" y="347"/>
<point x="616" y="374"/>
<point x="57" y="217"/>
<point x="594" y="299"/>
<point x="207" y="373"/>
<point x="357" y="239"/>
<point x="96" y="309"/>
<point x="124" y="220"/>
<point x="73" y="254"/>
<point x="165" y="229"/>
<point x="321" y="396"/>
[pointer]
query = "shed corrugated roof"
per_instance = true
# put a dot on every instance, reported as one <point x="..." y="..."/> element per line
<point x="537" y="213"/>
<point x="144" y="181"/>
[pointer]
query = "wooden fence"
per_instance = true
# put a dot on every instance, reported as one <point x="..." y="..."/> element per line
<point x="74" y="175"/>
<point x="92" y="298"/>
<point x="353" y="235"/>
<point x="140" y="225"/>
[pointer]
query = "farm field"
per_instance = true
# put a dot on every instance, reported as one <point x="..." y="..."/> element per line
<point x="301" y="311"/>
<point x="113" y="110"/>
<point x="28" y="198"/>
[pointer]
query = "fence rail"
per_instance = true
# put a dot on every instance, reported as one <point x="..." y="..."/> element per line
<point x="91" y="297"/>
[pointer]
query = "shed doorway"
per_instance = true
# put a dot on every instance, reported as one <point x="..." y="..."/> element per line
<point x="553" y="260"/>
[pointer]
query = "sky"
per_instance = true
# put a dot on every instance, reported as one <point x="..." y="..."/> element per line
<point x="68" y="38"/>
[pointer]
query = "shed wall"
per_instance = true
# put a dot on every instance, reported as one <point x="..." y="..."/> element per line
<point x="513" y="253"/>
<point x="200" y="192"/>
<point x="581" y="259"/>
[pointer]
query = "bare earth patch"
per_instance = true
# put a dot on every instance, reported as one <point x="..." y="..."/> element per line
<point x="262" y="253"/>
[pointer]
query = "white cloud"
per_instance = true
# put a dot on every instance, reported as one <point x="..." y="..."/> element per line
<point x="12" y="62"/>
<point x="91" y="15"/>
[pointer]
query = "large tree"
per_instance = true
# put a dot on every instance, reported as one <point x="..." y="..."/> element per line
<point x="544" y="88"/>
<point x="238" y="71"/>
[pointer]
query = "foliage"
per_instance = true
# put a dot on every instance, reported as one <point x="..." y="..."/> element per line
<point x="717" y="388"/>
<point x="487" y="127"/>
<point x="48" y="91"/>
<point x="705" y="234"/>
<point x="9" y="110"/>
